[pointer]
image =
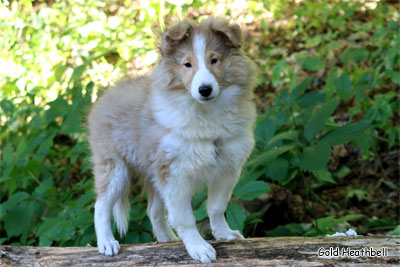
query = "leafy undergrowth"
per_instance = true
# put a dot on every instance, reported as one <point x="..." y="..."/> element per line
<point x="327" y="151"/>
<point x="346" y="58"/>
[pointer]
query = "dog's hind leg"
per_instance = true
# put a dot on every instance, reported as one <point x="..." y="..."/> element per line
<point x="112" y="185"/>
<point x="219" y="193"/>
<point x="157" y="215"/>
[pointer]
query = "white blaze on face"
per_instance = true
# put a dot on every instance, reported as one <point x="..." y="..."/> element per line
<point x="203" y="76"/>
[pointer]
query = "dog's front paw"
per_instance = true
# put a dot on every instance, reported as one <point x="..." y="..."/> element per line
<point x="201" y="251"/>
<point x="108" y="247"/>
<point x="228" y="235"/>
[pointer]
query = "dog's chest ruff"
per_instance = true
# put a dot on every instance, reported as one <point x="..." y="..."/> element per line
<point x="188" y="156"/>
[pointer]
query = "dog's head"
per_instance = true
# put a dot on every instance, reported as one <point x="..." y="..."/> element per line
<point x="200" y="57"/>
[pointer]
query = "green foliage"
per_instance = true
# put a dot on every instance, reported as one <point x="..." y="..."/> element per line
<point x="235" y="217"/>
<point x="250" y="190"/>
<point x="59" y="55"/>
<point x="324" y="226"/>
<point x="321" y="227"/>
<point x="312" y="64"/>
<point x="384" y="223"/>
<point x="45" y="201"/>
<point x="291" y="229"/>
<point x="357" y="193"/>
<point x="396" y="231"/>
<point x="338" y="74"/>
<point x="300" y="136"/>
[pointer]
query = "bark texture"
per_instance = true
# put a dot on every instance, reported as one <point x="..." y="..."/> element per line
<point x="279" y="251"/>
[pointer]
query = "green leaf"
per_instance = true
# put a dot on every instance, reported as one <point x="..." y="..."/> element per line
<point x="311" y="99"/>
<point x="84" y="220"/>
<point x="46" y="225"/>
<point x="326" y="224"/>
<point x="305" y="83"/>
<point x="87" y="238"/>
<point x="59" y="72"/>
<point x="253" y="218"/>
<point x="313" y="64"/>
<point x="355" y="55"/>
<point x="343" y="172"/>
<point x="7" y="107"/>
<point x="291" y="229"/>
<point x="199" y="198"/>
<point x="12" y="202"/>
<point x="20" y="157"/>
<point x="396" y="231"/>
<point x="58" y="108"/>
<point x="145" y="237"/>
<point x="323" y="223"/>
<point x="345" y="133"/>
<point x="132" y="237"/>
<point x="314" y="41"/>
<point x="235" y="217"/>
<point x="343" y="86"/>
<point x="63" y="230"/>
<point x="358" y="193"/>
<point x="324" y="175"/>
<point x="83" y="200"/>
<point x="277" y="72"/>
<point x="248" y="176"/>
<point x="264" y="131"/>
<point x="71" y="124"/>
<point x="315" y="158"/>
<point x="146" y="225"/>
<point x="290" y="176"/>
<point x="201" y="212"/>
<point x="18" y="219"/>
<point x="251" y="190"/>
<point x="77" y="73"/>
<point x="318" y="119"/>
<point x="138" y="213"/>
<point x="277" y="169"/>
<point x="330" y="86"/>
<point x="44" y="241"/>
<point x="45" y="147"/>
<point x="8" y="163"/>
<point x="287" y="135"/>
<point x="395" y="76"/>
<point x="343" y="219"/>
<point x="32" y="146"/>
<point x="269" y="155"/>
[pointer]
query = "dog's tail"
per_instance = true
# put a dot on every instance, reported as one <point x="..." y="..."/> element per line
<point x="119" y="190"/>
<point x="121" y="212"/>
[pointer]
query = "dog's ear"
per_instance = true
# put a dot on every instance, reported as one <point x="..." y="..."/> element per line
<point x="230" y="32"/>
<point x="173" y="37"/>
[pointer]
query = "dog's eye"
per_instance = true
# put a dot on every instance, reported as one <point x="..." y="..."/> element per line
<point x="214" y="60"/>
<point x="188" y="65"/>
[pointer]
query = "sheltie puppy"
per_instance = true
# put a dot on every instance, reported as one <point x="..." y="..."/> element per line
<point x="187" y="125"/>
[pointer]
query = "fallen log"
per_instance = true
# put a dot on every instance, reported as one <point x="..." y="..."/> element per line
<point x="294" y="251"/>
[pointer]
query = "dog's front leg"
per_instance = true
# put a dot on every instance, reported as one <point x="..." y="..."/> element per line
<point x="106" y="242"/>
<point x="180" y="217"/>
<point x="219" y="193"/>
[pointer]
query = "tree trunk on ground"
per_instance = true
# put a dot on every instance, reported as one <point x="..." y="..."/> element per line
<point x="281" y="251"/>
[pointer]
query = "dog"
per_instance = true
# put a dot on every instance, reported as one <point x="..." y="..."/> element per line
<point x="187" y="125"/>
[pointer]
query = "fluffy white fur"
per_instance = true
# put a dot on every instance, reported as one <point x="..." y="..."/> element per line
<point x="158" y="128"/>
<point x="203" y="75"/>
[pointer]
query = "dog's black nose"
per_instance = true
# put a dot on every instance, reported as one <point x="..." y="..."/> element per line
<point x="205" y="90"/>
